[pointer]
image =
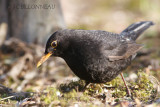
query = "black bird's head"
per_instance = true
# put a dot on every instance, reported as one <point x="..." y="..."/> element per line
<point x="55" y="46"/>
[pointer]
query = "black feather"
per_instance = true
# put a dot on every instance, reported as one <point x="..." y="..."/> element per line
<point x="97" y="56"/>
<point x="133" y="31"/>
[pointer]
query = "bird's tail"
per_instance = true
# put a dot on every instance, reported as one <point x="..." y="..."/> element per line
<point x="134" y="30"/>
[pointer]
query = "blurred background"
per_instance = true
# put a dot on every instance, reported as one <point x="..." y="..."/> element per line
<point x="33" y="21"/>
<point x="25" y="26"/>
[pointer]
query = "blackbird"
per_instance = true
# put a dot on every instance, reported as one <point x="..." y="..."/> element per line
<point x="96" y="56"/>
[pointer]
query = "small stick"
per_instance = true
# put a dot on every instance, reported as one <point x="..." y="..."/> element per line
<point x="7" y="98"/>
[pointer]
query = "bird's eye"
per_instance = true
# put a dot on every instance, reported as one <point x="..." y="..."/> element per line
<point x="54" y="44"/>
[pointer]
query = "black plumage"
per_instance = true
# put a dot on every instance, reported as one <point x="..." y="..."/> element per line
<point x="97" y="56"/>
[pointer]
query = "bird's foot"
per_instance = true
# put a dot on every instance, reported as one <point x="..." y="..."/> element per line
<point x="128" y="92"/>
<point x="84" y="88"/>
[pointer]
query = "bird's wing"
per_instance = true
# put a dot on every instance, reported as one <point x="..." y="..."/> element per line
<point x="123" y="51"/>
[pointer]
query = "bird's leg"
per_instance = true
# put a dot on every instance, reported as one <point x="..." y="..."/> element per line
<point x="101" y="87"/>
<point x="85" y="86"/>
<point x="128" y="91"/>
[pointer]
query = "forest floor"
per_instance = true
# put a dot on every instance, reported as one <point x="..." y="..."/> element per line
<point x="54" y="84"/>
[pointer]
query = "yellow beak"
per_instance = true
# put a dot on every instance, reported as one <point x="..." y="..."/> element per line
<point x="43" y="59"/>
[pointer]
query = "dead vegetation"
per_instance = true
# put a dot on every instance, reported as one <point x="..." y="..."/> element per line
<point x="22" y="84"/>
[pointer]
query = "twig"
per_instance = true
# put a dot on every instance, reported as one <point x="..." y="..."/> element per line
<point x="7" y="98"/>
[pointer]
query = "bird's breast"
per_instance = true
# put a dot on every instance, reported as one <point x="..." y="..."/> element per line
<point x="95" y="67"/>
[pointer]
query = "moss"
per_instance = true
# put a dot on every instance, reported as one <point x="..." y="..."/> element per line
<point x="143" y="89"/>
<point x="77" y="85"/>
<point x="3" y="95"/>
<point x="63" y="99"/>
<point x="30" y="89"/>
<point x="51" y="95"/>
<point x="118" y="93"/>
<point x="68" y="94"/>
